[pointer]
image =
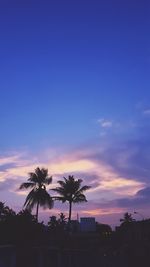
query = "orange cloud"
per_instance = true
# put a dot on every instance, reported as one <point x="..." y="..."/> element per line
<point x="109" y="184"/>
<point x="108" y="178"/>
<point x="96" y="212"/>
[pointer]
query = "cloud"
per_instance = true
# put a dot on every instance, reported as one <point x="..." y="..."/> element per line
<point x="12" y="159"/>
<point x="144" y="193"/>
<point x="105" y="123"/>
<point x="7" y="184"/>
<point x="117" y="169"/>
<point x="146" y="112"/>
<point x="139" y="201"/>
<point x="103" y="178"/>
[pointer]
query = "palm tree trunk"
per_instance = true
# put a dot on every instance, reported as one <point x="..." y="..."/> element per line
<point x="70" y="210"/>
<point x="37" y="211"/>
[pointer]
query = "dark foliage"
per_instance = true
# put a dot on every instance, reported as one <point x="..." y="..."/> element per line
<point x="71" y="191"/>
<point x="19" y="228"/>
<point x="38" y="196"/>
<point x="128" y="245"/>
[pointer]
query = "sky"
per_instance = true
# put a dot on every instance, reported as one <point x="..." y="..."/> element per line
<point x="74" y="98"/>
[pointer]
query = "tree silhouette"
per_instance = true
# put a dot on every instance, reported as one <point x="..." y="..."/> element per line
<point x="70" y="190"/>
<point x="62" y="218"/>
<point x="38" y="196"/>
<point x="127" y="219"/>
<point x="26" y="216"/>
<point x="5" y="212"/>
<point x="53" y="223"/>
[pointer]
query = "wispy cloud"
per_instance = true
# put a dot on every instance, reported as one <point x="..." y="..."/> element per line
<point x="146" y="112"/>
<point x="105" y="123"/>
<point x="117" y="170"/>
<point x="107" y="183"/>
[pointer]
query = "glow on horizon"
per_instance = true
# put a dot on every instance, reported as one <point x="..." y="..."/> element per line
<point x="96" y="212"/>
<point x="109" y="185"/>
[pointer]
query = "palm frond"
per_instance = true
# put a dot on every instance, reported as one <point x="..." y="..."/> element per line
<point x="26" y="185"/>
<point x="79" y="198"/>
<point x="33" y="177"/>
<point x="71" y="190"/>
<point x="59" y="190"/>
<point x="45" y="200"/>
<point x="48" y="180"/>
<point x="84" y="188"/>
<point x="30" y="197"/>
<point x="63" y="199"/>
<point x="61" y="183"/>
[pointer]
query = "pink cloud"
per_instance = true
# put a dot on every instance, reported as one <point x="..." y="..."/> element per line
<point x="108" y="183"/>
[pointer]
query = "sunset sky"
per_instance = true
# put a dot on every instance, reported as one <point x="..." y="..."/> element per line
<point x="75" y="98"/>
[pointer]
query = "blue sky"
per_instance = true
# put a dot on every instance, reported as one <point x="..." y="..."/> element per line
<point x="74" y="74"/>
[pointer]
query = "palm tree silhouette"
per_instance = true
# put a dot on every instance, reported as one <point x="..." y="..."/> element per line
<point x="70" y="190"/>
<point x="127" y="218"/>
<point x="38" y="196"/>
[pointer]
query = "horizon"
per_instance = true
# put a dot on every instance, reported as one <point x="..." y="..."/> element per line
<point x="75" y="99"/>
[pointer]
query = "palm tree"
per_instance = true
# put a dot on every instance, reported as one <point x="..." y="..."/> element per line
<point x="127" y="219"/>
<point x="70" y="190"/>
<point x="38" y="196"/>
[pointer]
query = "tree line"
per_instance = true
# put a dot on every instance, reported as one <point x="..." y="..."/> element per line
<point x="128" y="245"/>
<point x="68" y="190"/>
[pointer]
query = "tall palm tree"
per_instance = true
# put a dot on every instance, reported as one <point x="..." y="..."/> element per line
<point x="38" y="196"/>
<point x="70" y="190"/>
